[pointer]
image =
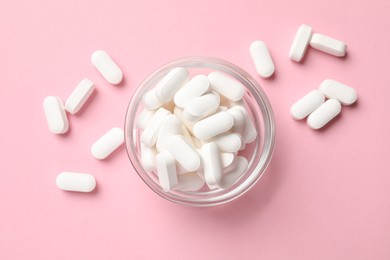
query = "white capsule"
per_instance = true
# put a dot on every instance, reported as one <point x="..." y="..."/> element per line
<point x="200" y="107"/>
<point x="79" y="96"/>
<point x="262" y="59"/>
<point x="108" y="143"/>
<point x="166" y="89"/>
<point x="333" y="89"/>
<point x="107" y="67"/>
<point x="183" y="153"/>
<point x="226" y="86"/>
<point x="227" y="159"/>
<point x="55" y="115"/>
<point x="189" y="182"/>
<point x="307" y="104"/>
<point x="150" y="100"/>
<point x="300" y="43"/>
<point x="144" y="118"/>
<point x="179" y="113"/>
<point x="150" y="133"/>
<point x="166" y="171"/>
<point x="249" y="133"/>
<point x="73" y="181"/>
<point x="239" y="119"/>
<point x="213" y="125"/>
<point x="212" y="164"/>
<point x="148" y="157"/>
<point x="324" y="114"/>
<point x="196" y="87"/>
<point x="228" y="142"/>
<point x="328" y="45"/>
<point x="235" y="174"/>
<point x="171" y="126"/>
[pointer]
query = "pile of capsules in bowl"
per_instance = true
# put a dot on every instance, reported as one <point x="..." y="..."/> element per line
<point x="192" y="130"/>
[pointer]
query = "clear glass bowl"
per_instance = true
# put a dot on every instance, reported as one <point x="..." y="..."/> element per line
<point x="257" y="153"/>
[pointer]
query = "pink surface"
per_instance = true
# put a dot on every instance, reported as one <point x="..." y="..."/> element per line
<point x="326" y="194"/>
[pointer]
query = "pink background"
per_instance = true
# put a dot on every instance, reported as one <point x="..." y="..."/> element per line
<point x="326" y="194"/>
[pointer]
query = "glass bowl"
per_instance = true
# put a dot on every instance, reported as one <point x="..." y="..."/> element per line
<point x="258" y="153"/>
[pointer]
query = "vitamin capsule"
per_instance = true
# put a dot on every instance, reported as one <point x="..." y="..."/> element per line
<point x="150" y="100"/>
<point x="166" y="171"/>
<point x="144" y="118"/>
<point x="228" y="142"/>
<point x="73" y="181"/>
<point x="150" y="133"/>
<point x="300" y="43"/>
<point x="324" y="114"/>
<point x="171" y="126"/>
<point x="226" y="86"/>
<point x="262" y="59"/>
<point x="183" y="153"/>
<point x="333" y="89"/>
<point x="328" y="45"/>
<point x="196" y="87"/>
<point x="55" y="115"/>
<point x="166" y="89"/>
<point x="107" y="67"/>
<point x="200" y="107"/>
<point x="234" y="175"/>
<point x="307" y="104"/>
<point x="213" y="125"/>
<point x="148" y="157"/>
<point x="249" y="133"/>
<point x="212" y="164"/>
<point x="108" y="143"/>
<point x="238" y="118"/>
<point x="79" y="96"/>
<point x="189" y="182"/>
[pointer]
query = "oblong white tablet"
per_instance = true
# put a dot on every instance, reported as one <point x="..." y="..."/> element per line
<point x="212" y="164"/>
<point x="235" y="174"/>
<point x="183" y="153"/>
<point x="55" y="115"/>
<point x="189" y="182"/>
<point x="324" y="114"/>
<point x="73" y="181"/>
<point x="307" y="104"/>
<point x="150" y="100"/>
<point x="196" y="87"/>
<point x="239" y="119"/>
<point x="200" y="107"/>
<point x="228" y="142"/>
<point x="213" y="125"/>
<point x="148" y="157"/>
<point x="249" y="134"/>
<point x="107" y="67"/>
<point x="333" y="89"/>
<point x="227" y="159"/>
<point x="328" y="45"/>
<point x="226" y="86"/>
<point x="166" y="89"/>
<point x="108" y="143"/>
<point x="172" y="125"/>
<point x="144" y="117"/>
<point x="166" y="171"/>
<point x="262" y="59"/>
<point x="300" y="42"/>
<point x="150" y="133"/>
<point x="79" y="96"/>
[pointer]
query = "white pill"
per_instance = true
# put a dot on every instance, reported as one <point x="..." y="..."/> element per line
<point x="55" y="115"/>
<point x="235" y="174"/>
<point x="300" y="42"/>
<point x="307" y="104"/>
<point x="150" y="133"/>
<point x="262" y="59"/>
<point x="328" y="45"/>
<point x="249" y="133"/>
<point x="213" y="125"/>
<point x="107" y="67"/>
<point x="73" y="181"/>
<point x="150" y="100"/>
<point x="166" y="171"/>
<point x="172" y="125"/>
<point x="79" y="96"/>
<point x="188" y="124"/>
<point x="212" y="164"/>
<point x="228" y="142"/>
<point x="189" y="182"/>
<point x="108" y="143"/>
<point x="183" y="153"/>
<point x="227" y="159"/>
<point x="166" y="89"/>
<point x="239" y="119"/>
<point x="144" y="118"/>
<point x="324" y="114"/>
<point x="333" y="89"/>
<point x="196" y="87"/>
<point x="148" y="157"/>
<point x="200" y="107"/>
<point x="226" y="86"/>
